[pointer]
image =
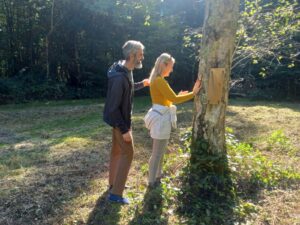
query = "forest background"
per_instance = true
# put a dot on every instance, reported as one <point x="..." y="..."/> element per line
<point x="61" y="49"/>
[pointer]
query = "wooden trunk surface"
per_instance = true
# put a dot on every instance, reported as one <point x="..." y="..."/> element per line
<point x="217" y="48"/>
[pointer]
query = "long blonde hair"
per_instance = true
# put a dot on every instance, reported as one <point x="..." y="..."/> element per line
<point x="164" y="58"/>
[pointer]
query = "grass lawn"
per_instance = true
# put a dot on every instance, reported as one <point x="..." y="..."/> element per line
<point x="54" y="161"/>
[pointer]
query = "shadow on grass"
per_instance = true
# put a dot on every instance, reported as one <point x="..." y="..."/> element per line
<point x="40" y="182"/>
<point x="208" y="194"/>
<point x="242" y="126"/>
<point x="212" y="194"/>
<point x="234" y="120"/>
<point x="104" y="212"/>
<point x="53" y="181"/>
<point x="274" y="104"/>
<point x="151" y="213"/>
<point x="43" y="196"/>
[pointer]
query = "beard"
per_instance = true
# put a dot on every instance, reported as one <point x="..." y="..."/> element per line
<point x="138" y="65"/>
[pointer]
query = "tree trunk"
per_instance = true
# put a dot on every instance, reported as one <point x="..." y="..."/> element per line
<point x="217" y="49"/>
<point x="208" y="191"/>
<point x="48" y="58"/>
<point x="9" y="16"/>
<point x="73" y="64"/>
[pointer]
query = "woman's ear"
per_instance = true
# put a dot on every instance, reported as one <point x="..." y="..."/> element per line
<point x="162" y="68"/>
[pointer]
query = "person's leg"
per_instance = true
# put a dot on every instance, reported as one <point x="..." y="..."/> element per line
<point x="163" y="146"/>
<point x="124" y="164"/>
<point x="114" y="159"/>
<point x="158" y="149"/>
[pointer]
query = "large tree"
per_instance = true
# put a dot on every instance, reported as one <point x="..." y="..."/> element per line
<point x="217" y="49"/>
<point x="207" y="186"/>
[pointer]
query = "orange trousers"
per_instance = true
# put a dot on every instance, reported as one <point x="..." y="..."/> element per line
<point x="120" y="162"/>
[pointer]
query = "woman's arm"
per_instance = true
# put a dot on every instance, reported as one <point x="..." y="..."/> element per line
<point x="169" y="94"/>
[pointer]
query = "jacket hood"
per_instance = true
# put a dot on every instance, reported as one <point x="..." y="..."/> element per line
<point x="116" y="69"/>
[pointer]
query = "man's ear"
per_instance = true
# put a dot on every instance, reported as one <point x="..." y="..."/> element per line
<point x="131" y="57"/>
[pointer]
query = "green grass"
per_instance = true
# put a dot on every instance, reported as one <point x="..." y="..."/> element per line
<point x="54" y="161"/>
<point x="2" y="145"/>
<point x="83" y="125"/>
<point x="49" y="104"/>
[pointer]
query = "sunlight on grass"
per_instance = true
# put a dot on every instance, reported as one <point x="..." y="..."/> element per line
<point x="15" y="175"/>
<point x="24" y="158"/>
<point x="80" y="208"/>
<point x="50" y="104"/>
<point x="263" y="120"/>
<point x="61" y="151"/>
<point x="77" y="141"/>
<point x="23" y="145"/>
<point x="72" y="144"/>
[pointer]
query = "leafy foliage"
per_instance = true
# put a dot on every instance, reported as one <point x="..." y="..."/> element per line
<point x="280" y="142"/>
<point x="268" y="48"/>
<point x="213" y="196"/>
<point x="267" y="34"/>
<point x="72" y="43"/>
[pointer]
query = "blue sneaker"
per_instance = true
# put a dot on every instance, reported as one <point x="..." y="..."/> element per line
<point x="117" y="199"/>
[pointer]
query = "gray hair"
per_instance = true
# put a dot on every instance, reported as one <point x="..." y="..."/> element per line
<point x="130" y="47"/>
<point x="158" y="69"/>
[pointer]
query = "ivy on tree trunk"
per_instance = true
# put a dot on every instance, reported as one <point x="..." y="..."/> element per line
<point x="208" y="192"/>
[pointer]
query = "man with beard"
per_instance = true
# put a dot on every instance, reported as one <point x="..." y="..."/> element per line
<point x="117" y="113"/>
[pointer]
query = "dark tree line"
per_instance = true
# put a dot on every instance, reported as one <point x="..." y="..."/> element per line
<point x="61" y="49"/>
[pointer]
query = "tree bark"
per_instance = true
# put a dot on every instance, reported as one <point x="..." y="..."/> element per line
<point x="217" y="49"/>
<point x="47" y="40"/>
<point x="9" y="17"/>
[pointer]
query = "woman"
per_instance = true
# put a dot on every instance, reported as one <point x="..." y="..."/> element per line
<point x="162" y="115"/>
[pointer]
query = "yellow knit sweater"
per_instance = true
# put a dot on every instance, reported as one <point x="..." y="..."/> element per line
<point x="162" y="94"/>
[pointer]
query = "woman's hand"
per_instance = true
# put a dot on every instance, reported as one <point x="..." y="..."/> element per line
<point x="197" y="87"/>
<point x="183" y="92"/>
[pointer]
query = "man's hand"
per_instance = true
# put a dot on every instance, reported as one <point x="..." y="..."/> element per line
<point x="127" y="137"/>
<point x="146" y="82"/>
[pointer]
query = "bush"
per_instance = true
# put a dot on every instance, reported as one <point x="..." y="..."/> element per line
<point x="34" y="86"/>
<point x="26" y="87"/>
<point x="6" y="94"/>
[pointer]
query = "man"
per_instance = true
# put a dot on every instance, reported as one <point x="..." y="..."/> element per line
<point x="117" y="113"/>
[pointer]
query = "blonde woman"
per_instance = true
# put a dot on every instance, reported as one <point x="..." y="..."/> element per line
<point x="162" y="116"/>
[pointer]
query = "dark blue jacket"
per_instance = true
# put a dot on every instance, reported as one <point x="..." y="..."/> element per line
<point x="118" y="104"/>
